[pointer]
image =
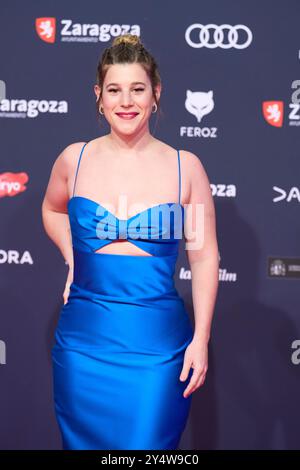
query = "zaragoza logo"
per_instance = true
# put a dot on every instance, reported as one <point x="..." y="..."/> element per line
<point x="273" y="112"/>
<point x="49" y="30"/>
<point x="46" y="29"/>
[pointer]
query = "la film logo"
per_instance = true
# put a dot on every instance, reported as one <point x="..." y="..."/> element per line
<point x="46" y="29"/>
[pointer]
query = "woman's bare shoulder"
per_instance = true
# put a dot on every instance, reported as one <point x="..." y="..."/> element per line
<point x="70" y="154"/>
<point x="66" y="161"/>
<point x="192" y="163"/>
<point x="190" y="160"/>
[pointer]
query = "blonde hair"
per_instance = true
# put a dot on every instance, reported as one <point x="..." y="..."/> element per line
<point x="132" y="39"/>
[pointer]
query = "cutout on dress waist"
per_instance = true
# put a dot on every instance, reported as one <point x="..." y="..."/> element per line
<point x="138" y="250"/>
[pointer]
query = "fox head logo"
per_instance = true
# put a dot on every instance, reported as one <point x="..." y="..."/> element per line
<point x="199" y="103"/>
<point x="273" y="112"/>
<point x="46" y="29"/>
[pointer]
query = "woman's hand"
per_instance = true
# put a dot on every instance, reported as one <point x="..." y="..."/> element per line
<point x="67" y="286"/>
<point x="195" y="356"/>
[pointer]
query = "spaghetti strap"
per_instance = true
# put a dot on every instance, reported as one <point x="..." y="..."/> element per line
<point x="78" y="168"/>
<point x="179" y="176"/>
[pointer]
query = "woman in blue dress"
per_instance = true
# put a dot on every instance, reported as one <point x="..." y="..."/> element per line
<point x="126" y="358"/>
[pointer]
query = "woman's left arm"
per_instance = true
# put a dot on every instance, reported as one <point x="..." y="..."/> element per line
<point x="203" y="256"/>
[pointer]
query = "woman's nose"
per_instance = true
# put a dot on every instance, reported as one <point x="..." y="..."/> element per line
<point x="126" y="99"/>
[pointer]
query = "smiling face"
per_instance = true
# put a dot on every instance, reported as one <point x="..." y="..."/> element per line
<point x="127" y="99"/>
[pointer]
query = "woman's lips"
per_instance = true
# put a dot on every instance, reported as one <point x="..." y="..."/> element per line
<point x="127" y="115"/>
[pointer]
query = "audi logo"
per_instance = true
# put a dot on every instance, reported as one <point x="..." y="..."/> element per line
<point x="218" y="36"/>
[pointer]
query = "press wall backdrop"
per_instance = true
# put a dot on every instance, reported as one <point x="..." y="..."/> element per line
<point x="231" y="92"/>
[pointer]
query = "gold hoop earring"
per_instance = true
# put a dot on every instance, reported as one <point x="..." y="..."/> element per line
<point x="156" y="108"/>
<point x="100" y="110"/>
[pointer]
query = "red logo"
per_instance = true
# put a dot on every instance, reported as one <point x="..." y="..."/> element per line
<point x="273" y="112"/>
<point x="46" y="29"/>
<point x="12" y="183"/>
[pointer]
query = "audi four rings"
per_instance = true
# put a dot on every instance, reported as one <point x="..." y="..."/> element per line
<point x="218" y="37"/>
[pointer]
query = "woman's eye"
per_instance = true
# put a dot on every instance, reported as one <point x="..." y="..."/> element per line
<point x="135" y="89"/>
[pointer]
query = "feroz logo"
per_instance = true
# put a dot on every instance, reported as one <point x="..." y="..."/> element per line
<point x="46" y="29"/>
<point x="199" y="104"/>
<point x="235" y="36"/>
<point x="273" y="112"/>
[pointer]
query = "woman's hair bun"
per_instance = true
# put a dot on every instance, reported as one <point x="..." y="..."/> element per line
<point x="131" y="39"/>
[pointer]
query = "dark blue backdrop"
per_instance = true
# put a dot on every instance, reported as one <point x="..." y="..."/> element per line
<point x="231" y="90"/>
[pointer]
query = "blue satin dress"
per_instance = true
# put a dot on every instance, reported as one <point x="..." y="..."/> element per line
<point x="121" y="337"/>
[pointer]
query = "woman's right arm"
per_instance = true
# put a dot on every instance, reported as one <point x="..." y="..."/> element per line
<point x="54" y="207"/>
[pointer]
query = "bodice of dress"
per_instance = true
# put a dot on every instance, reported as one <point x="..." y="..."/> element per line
<point x="157" y="230"/>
